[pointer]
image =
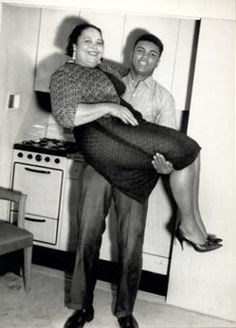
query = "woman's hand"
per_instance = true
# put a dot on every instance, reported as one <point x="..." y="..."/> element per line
<point x="86" y="113"/>
<point x="123" y="113"/>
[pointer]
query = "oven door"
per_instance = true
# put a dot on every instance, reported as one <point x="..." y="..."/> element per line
<point x="43" y="187"/>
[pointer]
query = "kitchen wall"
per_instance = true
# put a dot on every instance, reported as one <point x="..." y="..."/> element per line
<point x="17" y="84"/>
<point x="200" y="282"/>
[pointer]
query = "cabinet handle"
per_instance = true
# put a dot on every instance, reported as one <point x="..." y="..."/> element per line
<point x="37" y="171"/>
<point x="35" y="220"/>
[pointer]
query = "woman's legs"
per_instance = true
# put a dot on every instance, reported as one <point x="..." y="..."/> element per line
<point x="184" y="184"/>
<point x="196" y="197"/>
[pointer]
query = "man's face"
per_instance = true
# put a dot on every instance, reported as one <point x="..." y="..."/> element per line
<point x="145" y="58"/>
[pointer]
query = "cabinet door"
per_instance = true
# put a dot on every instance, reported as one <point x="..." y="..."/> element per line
<point x="184" y="63"/>
<point x="19" y="32"/>
<point x="157" y="240"/>
<point x="111" y="25"/>
<point x="19" y="39"/>
<point x="56" y="26"/>
<point x="68" y="239"/>
<point x="177" y="37"/>
<point x="43" y="199"/>
<point x="166" y="29"/>
<point x="68" y="227"/>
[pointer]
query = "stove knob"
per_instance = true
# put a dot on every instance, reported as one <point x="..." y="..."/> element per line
<point x="57" y="160"/>
<point x="20" y="154"/>
<point x="30" y="156"/>
<point x="38" y="157"/>
<point x="47" y="159"/>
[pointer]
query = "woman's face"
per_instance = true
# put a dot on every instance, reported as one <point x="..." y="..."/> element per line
<point x="89" y="48"/>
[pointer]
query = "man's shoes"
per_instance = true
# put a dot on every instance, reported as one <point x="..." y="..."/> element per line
<point x="128" y="322"/>
<point x="79" y="318"/>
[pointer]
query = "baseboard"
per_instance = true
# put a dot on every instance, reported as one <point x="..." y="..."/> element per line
<point x="107" y="271"/>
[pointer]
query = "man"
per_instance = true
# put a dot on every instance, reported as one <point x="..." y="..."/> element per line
<point x="156" y="105"/>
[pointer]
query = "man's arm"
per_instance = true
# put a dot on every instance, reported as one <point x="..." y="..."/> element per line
<point x="165" y="118"/>
<point x="167" y="112"/>
<point x="114" y="67"/>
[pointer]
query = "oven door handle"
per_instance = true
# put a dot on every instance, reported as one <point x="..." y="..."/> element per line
<point x="37" y="171"/>
<point x="35" y="220"/>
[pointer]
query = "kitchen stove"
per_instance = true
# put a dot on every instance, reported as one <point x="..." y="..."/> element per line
<point x="47" y="146"/>
<point x="39" y="170"/>
<point x="45" y="152"/>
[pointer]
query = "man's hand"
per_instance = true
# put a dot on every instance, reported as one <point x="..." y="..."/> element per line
<point x="161" y="165"/>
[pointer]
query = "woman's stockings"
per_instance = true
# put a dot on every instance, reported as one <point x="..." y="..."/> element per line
<point x="196" y="197"/>
<point x="184" y="184"/>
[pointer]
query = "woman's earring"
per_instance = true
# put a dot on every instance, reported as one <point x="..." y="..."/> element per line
<point x="74" y="55"/>
<point x="99" y="62"/>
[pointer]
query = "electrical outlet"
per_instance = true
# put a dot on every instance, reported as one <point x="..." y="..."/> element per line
<point x="13" y="101"/>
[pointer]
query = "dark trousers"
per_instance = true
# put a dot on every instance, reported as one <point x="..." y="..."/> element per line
<point x="95" y="201"/>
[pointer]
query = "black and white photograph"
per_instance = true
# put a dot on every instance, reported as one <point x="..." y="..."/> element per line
<point x="117" y="164"/>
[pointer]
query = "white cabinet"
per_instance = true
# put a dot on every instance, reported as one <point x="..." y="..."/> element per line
<point x="42" y="178"/>
<point x="164" y="28"/>
<point x="19" y="40"/>
<point x="68" y="234"/>
<point x="56" y="26"/>
<point x="119" y="32"/>
<point x="157" y="241"/>
<point x="184" y="62"/>
<point x="177" y="37"/>
<point x="111" y="25"/>
<point x="68" y="228"/>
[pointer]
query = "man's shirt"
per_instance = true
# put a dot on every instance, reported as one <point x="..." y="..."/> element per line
<point x="156" y="104"/>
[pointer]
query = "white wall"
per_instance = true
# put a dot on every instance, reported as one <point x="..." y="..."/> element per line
<point x="16" y="84"/>
<point x="224" y="9"/>
<point x="202" y="282"/>
<point x="207" y="282"/>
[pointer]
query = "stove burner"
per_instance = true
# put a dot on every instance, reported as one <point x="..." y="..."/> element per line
<point x="48" y="146"/>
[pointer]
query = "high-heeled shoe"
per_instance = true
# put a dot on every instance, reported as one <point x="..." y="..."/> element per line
<point x="210" y="237"/>
<point x="206" y="247"/>
<point x="214" y="239"/>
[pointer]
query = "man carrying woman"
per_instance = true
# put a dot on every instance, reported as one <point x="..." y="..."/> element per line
<point x="115" y="140"/>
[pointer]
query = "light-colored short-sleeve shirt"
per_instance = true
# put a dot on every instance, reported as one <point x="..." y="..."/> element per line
<point x="156" y="103"/>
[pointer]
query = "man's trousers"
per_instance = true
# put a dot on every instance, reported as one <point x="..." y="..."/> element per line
<point x="95" y="200"/>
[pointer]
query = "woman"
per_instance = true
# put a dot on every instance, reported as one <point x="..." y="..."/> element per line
<point x="116" y="140"/>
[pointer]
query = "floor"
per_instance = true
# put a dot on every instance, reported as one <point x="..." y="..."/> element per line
<point x="43" y="306"/>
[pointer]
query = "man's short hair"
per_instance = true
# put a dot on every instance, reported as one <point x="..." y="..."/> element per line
<point x="151" y="38"/>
